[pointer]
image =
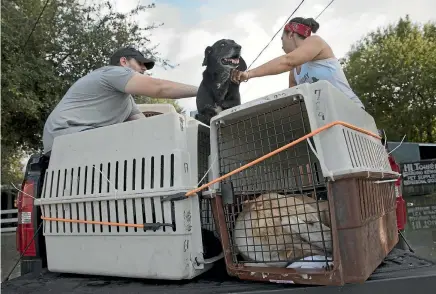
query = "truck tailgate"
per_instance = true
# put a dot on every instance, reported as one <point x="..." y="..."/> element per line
<point x="401" y="272"/>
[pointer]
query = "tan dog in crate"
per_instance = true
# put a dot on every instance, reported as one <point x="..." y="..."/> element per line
<point x="277" y="228"/>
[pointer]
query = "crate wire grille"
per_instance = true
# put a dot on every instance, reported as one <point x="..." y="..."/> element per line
<point x="291" y="227"/>
<point x="207" y="220"/>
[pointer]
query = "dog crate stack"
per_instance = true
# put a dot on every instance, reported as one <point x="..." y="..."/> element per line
<point x="114" y="202"/>
<point x="320" y="210"/>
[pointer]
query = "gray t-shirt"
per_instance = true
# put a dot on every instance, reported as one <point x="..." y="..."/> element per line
<point x="96" y="100"/>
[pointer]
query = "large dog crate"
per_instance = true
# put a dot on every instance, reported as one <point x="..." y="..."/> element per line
<point x="319" y="210"/>
<point x="113" y="200"/>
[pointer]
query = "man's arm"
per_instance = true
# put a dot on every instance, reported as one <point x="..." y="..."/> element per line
<point x="140" y="84"/>
<point x="135" y="113"/>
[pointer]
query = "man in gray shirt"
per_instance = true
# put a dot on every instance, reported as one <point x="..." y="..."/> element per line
<point x="104" y="96"/>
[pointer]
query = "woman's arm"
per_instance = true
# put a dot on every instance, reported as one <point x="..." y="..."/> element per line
<point x="309" y="49"/>
<point x="312" y="48"/>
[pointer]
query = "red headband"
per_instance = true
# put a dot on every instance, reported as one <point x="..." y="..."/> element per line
<point x="298" y="28"/>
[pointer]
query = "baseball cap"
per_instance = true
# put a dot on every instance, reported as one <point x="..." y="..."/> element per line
<point x="131" y="52"/>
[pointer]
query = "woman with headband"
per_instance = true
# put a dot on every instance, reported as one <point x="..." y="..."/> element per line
<point x="308" y="59"/>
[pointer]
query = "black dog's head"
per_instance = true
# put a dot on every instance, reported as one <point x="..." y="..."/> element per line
<point x="225" y="54"/>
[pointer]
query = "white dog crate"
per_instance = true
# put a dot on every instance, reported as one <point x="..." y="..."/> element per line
<point x="131" y="173"/>
<point x="286" y="116"/>
<point x="314" y="202"/>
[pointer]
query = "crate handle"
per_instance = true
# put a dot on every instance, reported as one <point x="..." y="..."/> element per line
<point x="145" y="226"/>
<point x="174" y="197"/>
<point x="156" y="226"/>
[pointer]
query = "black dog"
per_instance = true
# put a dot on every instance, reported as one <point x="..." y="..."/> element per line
<point x="216" y="92"/>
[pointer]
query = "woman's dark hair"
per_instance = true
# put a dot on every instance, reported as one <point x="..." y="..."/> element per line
<point x="310" y="22"/>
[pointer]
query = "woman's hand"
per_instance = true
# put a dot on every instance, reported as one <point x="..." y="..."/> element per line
<point x="238" y="76"/>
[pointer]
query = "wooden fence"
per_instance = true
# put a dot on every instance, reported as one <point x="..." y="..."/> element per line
<point x="9" y="213"/>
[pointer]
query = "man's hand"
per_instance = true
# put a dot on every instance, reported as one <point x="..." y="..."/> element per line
<point x="156" y="88"/>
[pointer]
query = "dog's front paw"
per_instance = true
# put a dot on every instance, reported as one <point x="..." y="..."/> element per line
<point x="218" y="109"/>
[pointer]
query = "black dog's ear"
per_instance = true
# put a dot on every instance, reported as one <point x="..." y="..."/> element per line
<point x="242" y="65"/>
<point x="207" y="51"/>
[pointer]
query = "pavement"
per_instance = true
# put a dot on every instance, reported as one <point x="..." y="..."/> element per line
<point x="401" y="273"/>
<point x="9" y="255"/>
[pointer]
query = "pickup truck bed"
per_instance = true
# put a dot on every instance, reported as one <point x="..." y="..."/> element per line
<point x="401" y="272"/>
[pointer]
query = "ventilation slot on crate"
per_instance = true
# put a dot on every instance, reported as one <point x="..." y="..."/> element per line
<point x="125" y="175"/>
<point x="104" y="178"/>
<point x="375" y="199"/>
<point x="151" y="211"/>
<point x="364" y="152"/>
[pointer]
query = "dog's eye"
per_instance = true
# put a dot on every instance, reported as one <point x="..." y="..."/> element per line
<point x="223" y="44"/>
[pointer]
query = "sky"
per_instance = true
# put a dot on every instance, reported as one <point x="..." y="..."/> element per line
<point x="192" y="25"/>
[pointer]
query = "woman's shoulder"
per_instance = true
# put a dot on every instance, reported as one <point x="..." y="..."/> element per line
<point x="315" y="39"/>
<point x="326" y="51"/>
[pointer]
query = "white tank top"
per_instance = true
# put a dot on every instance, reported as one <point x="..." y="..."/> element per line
<point x="326" y="69"/>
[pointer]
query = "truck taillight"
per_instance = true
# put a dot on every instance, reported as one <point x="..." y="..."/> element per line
<point x="25" y="228"/>
<point x="401" y="204"/>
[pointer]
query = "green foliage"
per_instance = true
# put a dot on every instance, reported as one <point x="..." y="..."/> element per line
<point x="393" y="71"/>
<point x="11" y="167"/>
<point x="148" y="100"/>
<point x="69" y="41"/>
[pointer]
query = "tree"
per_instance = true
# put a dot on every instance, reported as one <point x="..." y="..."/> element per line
<point x="48" y="45"/>
<point x="11" y="167"/>
<point x="393" y="71"/>
<point x="148" y="100"/>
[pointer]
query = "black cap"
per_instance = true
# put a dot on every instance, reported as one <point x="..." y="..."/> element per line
<point x="131" y="52"/>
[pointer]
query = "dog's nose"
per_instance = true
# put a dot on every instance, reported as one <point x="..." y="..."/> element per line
<point x="238" y="47"/>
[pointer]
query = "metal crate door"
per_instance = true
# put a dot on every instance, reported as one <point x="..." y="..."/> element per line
<point x="287" y="191"/>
